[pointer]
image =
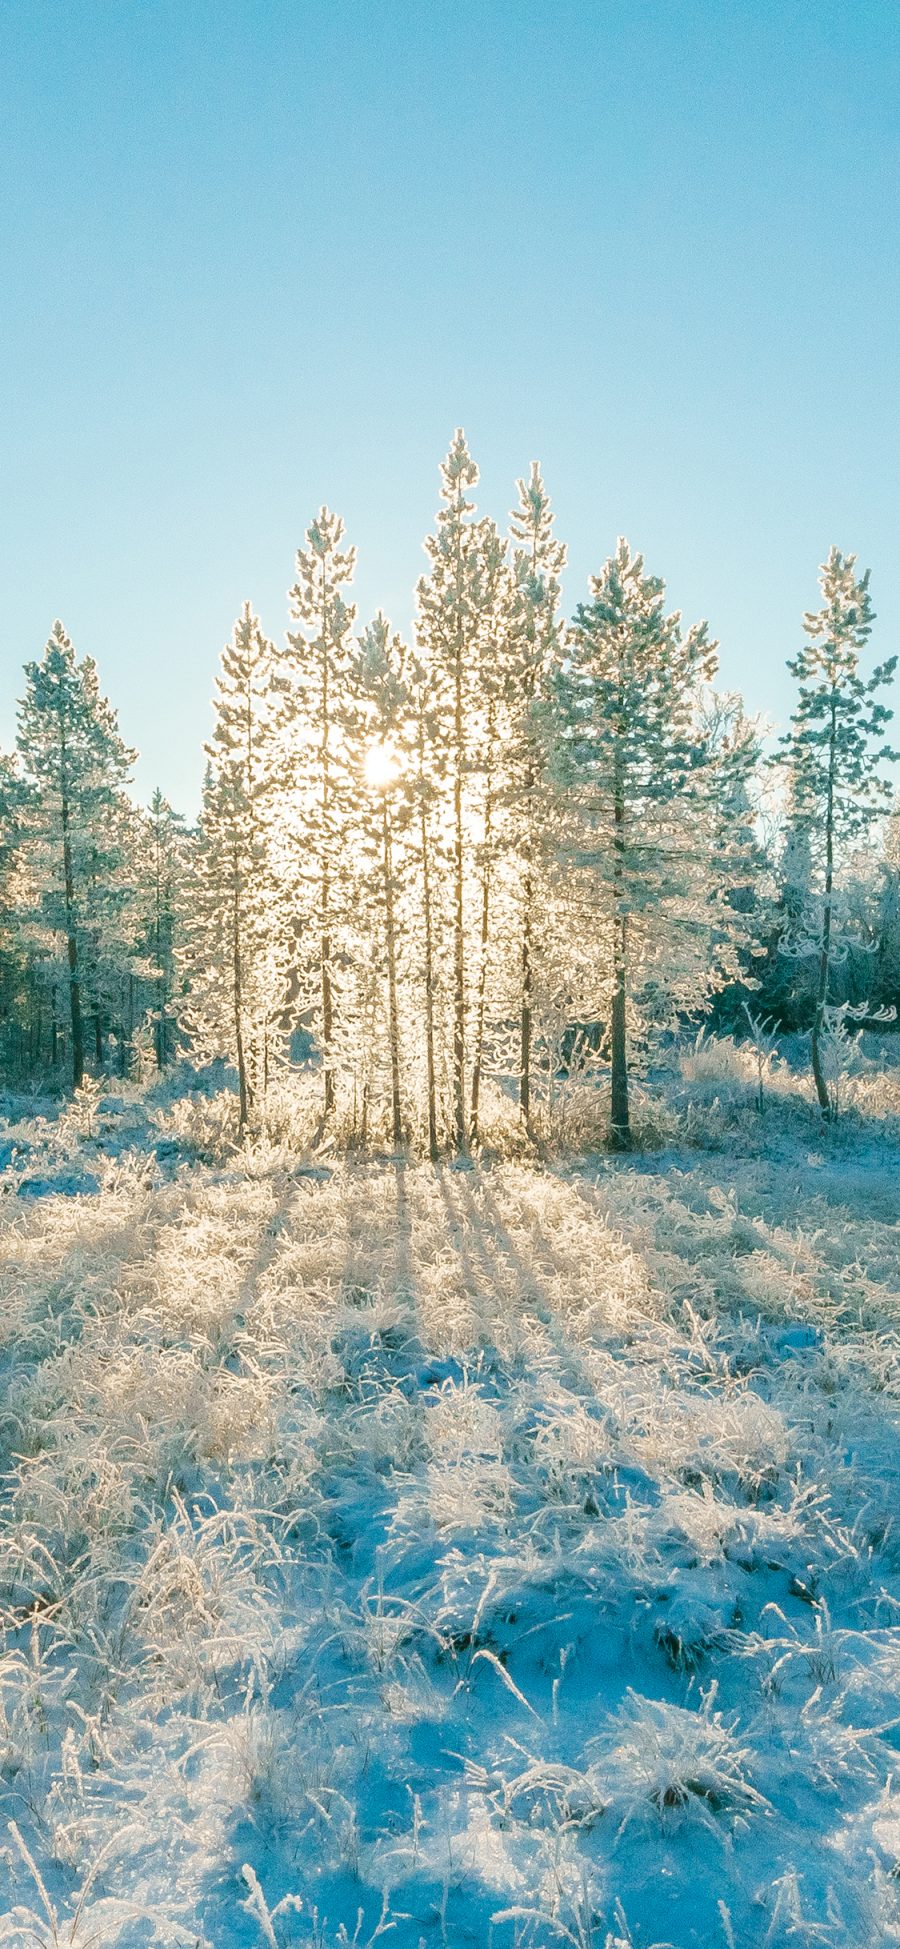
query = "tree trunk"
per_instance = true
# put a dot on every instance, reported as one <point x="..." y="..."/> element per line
<point x="393" y="1019"/>
<point x="237" y="993"/>
<point x="478" y="1064"/>
<point x="525" y="1019"/>
<point x="459" y="979"/>
<point x="429" y="980"/>
<point x="619" y="1123"/>
<point x="530" y="685"/>
<point x="821" y="1081"/>
<point x="459" y="968"/>
<point x="327" y="1005"/>
<point x="160" y="974"/>
<point x="71" y="935"/>
<point x="325" y="916"/>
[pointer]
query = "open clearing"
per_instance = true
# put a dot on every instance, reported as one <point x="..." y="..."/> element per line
<point x="504" y="1554"/>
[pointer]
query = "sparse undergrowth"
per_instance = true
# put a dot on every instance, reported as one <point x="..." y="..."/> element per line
<point x="502" y="1554"/>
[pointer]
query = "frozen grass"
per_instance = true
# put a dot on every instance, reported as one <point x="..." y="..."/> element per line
<point x="502" y="1555"/>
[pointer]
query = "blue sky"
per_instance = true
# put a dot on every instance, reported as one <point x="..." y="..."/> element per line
<point x="257" y="255"/>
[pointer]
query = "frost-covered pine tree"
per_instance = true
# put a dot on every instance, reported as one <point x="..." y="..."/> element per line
<point x="740" y="881"/>
<point x="76" y="766"/>
<point x="835" y="744"/>
<point x="427" y="776"/>
<point x="458" y="640"/>
<point x="235" y="954"/>
<point x="164" y="891"/>
<point x="888" y="919"/>
<point x="637" y="771"/>
<point x="535" y="651"/>
<point x="385" y="757"/>
<point x="18" y="1018"/>
<point x="448" y="618"/>
<point x="490" y="741"/>
<point x="316" y="788"/>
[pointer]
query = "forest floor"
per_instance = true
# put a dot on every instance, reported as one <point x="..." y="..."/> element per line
<point x="501" y="1554"/>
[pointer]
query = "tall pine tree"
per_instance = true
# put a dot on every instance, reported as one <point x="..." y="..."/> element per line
<point x="76" y="765"/>
<point x="235" y="951"/>
<point x="635" y="763"/>
<point x="317" y="714"/>
<point x="536" y="643"/>
<point x="835" y="744"/>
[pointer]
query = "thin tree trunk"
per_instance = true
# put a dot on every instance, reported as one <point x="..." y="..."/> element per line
<point x="429" y="975"/>
<point x="325" y="911"/>
<point x="525" y="1021"/>
<point x="160" y="975"/>
<point x="237" y="993"/>
<point x="128" y="1037"/>
<point x="71" y="935"/>
<point x="160" y="1026"/>
<point x="484" y="935"/>
<point x="459" y="969"/>
<point x="327" y="1004"/>
<point x="459" y="979"/>
<point x="820" y="1079"/>
<point x="620" y="1128"/>
<point x="393" y="1019"/>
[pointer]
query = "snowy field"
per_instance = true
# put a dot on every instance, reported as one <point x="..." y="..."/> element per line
<point x="494" y="1555"/>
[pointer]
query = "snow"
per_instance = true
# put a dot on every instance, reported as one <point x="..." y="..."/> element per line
<point x="492" y="1556"/>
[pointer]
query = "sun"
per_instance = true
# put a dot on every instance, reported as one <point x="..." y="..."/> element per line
<point x="381" y="767"/>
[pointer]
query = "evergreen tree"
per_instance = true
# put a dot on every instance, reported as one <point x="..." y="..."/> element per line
<point x="887" y="991"/>
<point x="535" y="644"/>
<point x="76" y="765"/>
<point x="740" y="885"/>
<point x="164" y="907"/>
<point x="455" y="614"/>
<point x="490" y="741"/>
<point x="427" y="781"/>
<point x="835" y="744"/>
<point x="17" y="992"/>
<point x="638" y="773"/>
<point x="317" y="716"/>
<point x="385" y="746"/>
<point x="235" y="953"/>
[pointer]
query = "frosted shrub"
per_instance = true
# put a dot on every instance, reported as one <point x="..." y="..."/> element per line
<point x="665" y="1757"/>
<point x="204" y="1128"/>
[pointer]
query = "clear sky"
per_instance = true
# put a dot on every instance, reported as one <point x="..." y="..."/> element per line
<point x="260" y="254"/>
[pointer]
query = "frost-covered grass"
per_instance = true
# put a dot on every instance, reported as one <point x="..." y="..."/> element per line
<point x="494" y="1555"/>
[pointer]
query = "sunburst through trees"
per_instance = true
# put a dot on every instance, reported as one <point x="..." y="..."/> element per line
<point x="446" y="873"/>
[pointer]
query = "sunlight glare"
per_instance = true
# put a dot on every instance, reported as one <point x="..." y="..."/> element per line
<point x="381" y="767"/>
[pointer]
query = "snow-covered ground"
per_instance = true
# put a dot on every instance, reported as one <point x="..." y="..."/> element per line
<point x="492" y="1555"/>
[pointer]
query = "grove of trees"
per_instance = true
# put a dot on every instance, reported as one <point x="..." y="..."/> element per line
<point x="509" y="848"/>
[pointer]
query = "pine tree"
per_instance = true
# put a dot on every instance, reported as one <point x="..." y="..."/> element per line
<point x="385" y="761"/>
<point x="317" y="718"/>
<point x="887" y="993"/>
<point x="16" y="990"/>
<point x="635" y="764"/>
<point x="536" y="640"/>
<point x="491" y="728"/>
<point x="164" y="904"/>
<point x="236" y="954"/>
<point x="76" y="765"/>
<point x="454" y="633"/>
<point x="427" y="782"/>
<point x="740" y="882"/>
<point x="835" y="744"/>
